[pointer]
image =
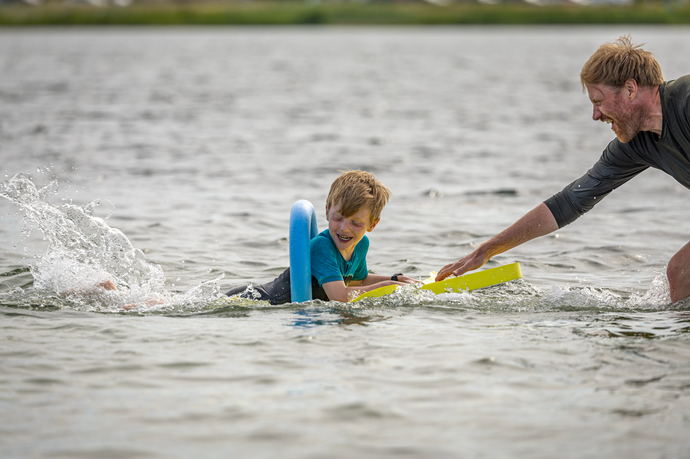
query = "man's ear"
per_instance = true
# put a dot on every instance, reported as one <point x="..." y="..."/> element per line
<point x="373" y="225"/>
<point x="630" y="88"/>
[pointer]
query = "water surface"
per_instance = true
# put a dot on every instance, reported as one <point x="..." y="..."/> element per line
<point x="177" y="154"/>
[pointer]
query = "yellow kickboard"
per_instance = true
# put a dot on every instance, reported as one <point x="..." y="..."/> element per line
<point x="472" y="281"/>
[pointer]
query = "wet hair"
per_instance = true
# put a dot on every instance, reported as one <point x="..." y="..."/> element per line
<point x="357" y="190"/>
<point x="615" y="63"/>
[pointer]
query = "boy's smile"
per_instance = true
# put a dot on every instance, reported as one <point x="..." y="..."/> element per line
<point x="346" y="232"/>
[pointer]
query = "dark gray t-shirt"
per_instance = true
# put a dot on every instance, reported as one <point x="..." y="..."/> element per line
<point x="622" y="161"/>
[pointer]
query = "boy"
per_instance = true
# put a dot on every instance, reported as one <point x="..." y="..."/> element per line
<point x="338" y="254"/>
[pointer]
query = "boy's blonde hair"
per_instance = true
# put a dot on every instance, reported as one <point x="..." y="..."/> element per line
<point x="615" y="63"/>
<point x="357" y="190"/>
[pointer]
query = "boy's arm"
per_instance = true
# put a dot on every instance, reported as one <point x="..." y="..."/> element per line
<point x="338" y="291"/>
<point x="375" y="278"/>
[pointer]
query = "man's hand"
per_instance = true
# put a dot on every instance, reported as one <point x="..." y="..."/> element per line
<point x="468" y="263"/>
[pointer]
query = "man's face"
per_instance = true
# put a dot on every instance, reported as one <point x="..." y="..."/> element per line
<point x="611" y="105"/>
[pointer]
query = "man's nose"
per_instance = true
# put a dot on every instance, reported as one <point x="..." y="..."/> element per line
<point x="596" y="114"/>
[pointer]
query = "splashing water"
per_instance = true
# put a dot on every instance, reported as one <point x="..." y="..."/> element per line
<point x="657" y="297"/>
<point x="521" y="296"/>
<point x="90" y="266"/>
<point x="88" y="263"/>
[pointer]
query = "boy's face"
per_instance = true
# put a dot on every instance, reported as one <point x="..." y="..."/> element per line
<point x="346" y="232"/>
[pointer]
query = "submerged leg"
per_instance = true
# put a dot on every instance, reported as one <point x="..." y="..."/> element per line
<point x="277" y="291"/>
<point x="236" y="290"/>
<point x="678" y="272"/>
<point x="257" y="292"/>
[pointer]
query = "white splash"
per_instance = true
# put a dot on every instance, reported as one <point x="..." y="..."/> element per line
<point x="89" y="263"/>
<point x="657" y="297"/>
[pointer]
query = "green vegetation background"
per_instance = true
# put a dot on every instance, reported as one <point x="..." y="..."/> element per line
<point x="352" y="13"/>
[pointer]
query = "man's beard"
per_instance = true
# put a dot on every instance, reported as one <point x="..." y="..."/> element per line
<point x="628" y="123"/>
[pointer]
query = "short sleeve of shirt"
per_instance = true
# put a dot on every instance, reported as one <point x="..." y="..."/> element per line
<point x="328" y="265"/>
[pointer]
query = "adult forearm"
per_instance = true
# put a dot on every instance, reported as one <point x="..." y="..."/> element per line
<point x="537" y="222"/>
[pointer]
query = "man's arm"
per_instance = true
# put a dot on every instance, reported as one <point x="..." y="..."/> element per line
<point x="537" y="222"/>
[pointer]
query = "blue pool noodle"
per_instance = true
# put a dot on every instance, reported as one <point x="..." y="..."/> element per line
<point x="303" y="227"/>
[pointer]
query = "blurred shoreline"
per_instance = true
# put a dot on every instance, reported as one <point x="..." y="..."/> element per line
<point x="232" y="12"/>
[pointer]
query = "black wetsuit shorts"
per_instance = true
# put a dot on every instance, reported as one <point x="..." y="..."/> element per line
<point x="277" y="291"/>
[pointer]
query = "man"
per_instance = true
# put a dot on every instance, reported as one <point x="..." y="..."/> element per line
<point x="651" y="120"/>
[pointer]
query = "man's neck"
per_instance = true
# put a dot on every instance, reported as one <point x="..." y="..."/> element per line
<point x="651" y="99"/>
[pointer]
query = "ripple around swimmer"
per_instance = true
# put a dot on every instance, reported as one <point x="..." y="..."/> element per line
<point x="513" y="297"/>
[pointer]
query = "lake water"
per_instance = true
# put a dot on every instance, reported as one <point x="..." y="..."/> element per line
<point x="194" y="144"/>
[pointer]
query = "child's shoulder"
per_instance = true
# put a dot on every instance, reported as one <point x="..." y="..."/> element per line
<point x="322" y="241"/>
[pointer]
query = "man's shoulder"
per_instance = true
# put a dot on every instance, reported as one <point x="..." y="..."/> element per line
<point x="619" y="156"/>
<point x="678" y="88"/>
<point x="676" y="105"/>
<point x="682" y="80"/>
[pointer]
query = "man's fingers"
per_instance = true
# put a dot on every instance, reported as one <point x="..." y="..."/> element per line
<point x="440" y="277"/>
<point x="460" y="271"/>
<point x="458" y="268"/>
<point x="445" y="271"/>
<point x="441" y="274"/>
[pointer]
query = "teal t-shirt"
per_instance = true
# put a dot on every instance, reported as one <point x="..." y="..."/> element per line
<point x="328" y="265"/>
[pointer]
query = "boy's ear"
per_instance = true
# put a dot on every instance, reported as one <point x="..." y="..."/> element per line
<point x="373" y="225"/>
<point x="326" y="212"/>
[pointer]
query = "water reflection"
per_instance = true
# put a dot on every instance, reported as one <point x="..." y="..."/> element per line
<point x="314" y="317"/>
